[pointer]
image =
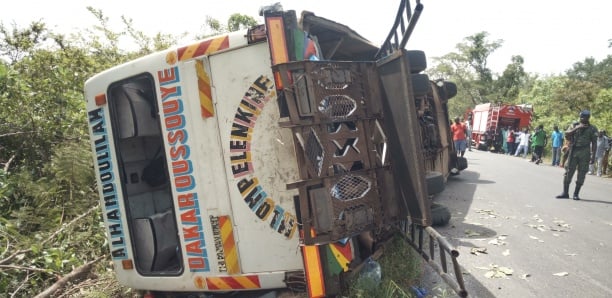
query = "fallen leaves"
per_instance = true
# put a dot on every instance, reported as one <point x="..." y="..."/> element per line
<point x="496" y="271"/>
<point x="498" y="241"/>
<point x="487" y="212"/>
<point x="471" y="233"/>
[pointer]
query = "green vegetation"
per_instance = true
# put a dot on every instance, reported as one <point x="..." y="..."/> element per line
<point x="400" y="269"/>
<point x="556" y="99"/>
<point x="50" y="223"/>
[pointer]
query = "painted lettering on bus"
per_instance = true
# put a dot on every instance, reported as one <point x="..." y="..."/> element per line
<point x="177" y="136"/>
<point x="106" y="178"/>
<point x="253" y="194"/>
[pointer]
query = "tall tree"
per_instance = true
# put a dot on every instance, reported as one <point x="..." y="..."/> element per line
<point x="476" y="49"/>
<point x="467" y="67"/>
<point x="599" y="73"/>
<point x="510" y="83"/>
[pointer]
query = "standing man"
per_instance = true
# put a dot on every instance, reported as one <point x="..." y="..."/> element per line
<point x="510" y="141"/>
<point x="606" y="154"/>
<point x="468" y="131"/>
<point x="459" y="136"/>
<point x="581" y="154"/>
<point x="504" y="139"/>
<point x="523" y="146"/>
<point x="538" y="140"/>
<point x="556" y="139"/>
<point x="602" y="147"/>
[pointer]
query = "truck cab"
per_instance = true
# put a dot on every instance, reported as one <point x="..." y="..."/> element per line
<point x="254" y="160"/>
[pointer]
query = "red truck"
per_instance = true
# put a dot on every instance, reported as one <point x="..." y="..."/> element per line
<point x="487" y="119"/>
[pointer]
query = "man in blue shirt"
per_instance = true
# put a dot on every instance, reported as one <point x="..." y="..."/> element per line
<point x="557" y="142"/>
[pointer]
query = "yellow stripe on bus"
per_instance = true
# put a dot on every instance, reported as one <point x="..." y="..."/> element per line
<point x="314" y="271"/>
<point x="277" y="42"/>
<point x="233" y="282"/>
<point x="203" y="48"/>
<point x="229" y="245"/>
<point x="206" y="104"/>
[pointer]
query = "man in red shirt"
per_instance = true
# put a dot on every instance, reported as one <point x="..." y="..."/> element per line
<point x="459" y="135"/>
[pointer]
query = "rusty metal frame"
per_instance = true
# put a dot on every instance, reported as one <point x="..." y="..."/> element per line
<point x="413" y="234"/>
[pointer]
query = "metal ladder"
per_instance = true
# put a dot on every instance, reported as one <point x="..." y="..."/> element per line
<point x="402" y="28"/>
<point x="493" y="118"/>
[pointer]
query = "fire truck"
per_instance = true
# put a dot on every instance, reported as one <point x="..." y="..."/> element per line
<point x="487" y="120"/>
<point x="258" y="159"/>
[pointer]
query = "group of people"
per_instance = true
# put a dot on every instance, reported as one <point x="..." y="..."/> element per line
<point x="582" y="147"/>
<point x="521" y="142"/>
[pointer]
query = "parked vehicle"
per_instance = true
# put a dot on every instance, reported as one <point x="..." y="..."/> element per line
<point x="254" y="160"/>
<point x="487" y="119"/>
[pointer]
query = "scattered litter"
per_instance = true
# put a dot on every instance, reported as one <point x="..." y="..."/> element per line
<point x="541" y="228"/>
<point x="495" y="271"/>
<point x="471" y="233"/>
<point x="419" y="292"/>
<point x="536" y="238"/>
<point x="524" y="276"/>
<point x="478" y="250"/>
<point x="497" y="241"/>
<point x="487" y="212"/>
<point x="571" y="254"/>
<point x="561" y="274"/>
<point x="506" y="252"/>
<point x="474" y="223"/>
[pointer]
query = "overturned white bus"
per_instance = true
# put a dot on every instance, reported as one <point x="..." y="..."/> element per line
<point x="254" y="160"/>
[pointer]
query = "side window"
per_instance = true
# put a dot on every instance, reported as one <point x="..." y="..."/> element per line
<point x="144" y="175"/>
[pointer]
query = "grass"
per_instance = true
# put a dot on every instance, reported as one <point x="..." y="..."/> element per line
<point x="400" y="268"/>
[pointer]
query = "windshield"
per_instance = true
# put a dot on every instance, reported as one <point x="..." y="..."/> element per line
<point x="144" y="176"/>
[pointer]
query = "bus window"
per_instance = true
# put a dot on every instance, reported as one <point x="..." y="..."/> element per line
<point x="144" y="175"/>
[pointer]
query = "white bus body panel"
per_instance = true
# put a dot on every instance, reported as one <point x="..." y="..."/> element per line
<point x="265" y="233"/>
<point x="263" y="244"/>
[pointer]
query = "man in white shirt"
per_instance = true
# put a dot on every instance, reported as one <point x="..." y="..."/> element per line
<point x="523" y="143"/>
<point x="469" y="134"/>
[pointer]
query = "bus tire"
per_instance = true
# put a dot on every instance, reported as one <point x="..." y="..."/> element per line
<point x="440" y="215"/>
<point x="435" y="182"/>
<point x="420" y="84"/>
<point x="417" y="61"/>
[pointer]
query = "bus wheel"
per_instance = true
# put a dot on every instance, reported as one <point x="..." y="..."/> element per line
<point x="440" y="215"/>
<point x="435" y="182"/>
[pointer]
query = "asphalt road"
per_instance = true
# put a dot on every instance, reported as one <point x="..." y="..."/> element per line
<point x="531" y="244"/>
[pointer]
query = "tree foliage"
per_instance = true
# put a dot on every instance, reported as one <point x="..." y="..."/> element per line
<point x="556" y="99"/>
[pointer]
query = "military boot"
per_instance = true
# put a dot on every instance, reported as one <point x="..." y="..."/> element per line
<point x="576" y="191"/>
<point x="565" y="194"/>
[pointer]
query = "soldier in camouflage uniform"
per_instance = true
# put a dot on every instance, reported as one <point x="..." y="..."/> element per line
<point x="583" y="140"/>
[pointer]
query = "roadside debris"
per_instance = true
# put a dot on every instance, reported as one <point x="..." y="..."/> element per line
<point x="495" y="271"/>
<point x="478" y="250"/>
<point x="499" y="240"/>
<point x="561" y="274"/>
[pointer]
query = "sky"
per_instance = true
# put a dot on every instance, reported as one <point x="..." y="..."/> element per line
<point x="551" y="35"/>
